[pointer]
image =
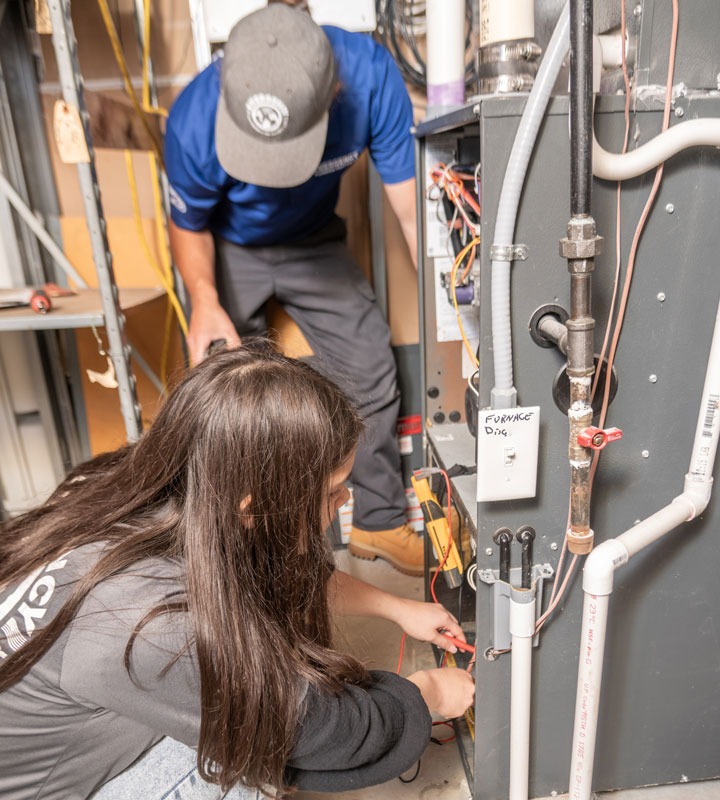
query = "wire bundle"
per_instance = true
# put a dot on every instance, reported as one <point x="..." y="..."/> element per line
<point x="399" y="25"/>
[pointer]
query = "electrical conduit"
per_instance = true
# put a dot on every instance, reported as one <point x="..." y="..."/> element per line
<point x="504" y="394"/>
<point x="598" y="575"/>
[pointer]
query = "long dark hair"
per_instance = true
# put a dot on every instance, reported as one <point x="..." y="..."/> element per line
<point x="245" y="423"/>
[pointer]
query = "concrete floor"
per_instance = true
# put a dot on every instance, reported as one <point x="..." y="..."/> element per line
<point x="441" y="775"/>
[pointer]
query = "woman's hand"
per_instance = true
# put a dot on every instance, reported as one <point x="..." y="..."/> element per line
<point x="448" y="692"/>
<point x="426" y="623"/>
<point x="423" y="621"/>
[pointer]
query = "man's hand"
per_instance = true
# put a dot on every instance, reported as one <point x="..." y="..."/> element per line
<point x="208" y="323"/>
<point x="194" y="255"/>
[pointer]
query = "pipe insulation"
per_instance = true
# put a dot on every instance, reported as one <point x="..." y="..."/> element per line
<point x="601" y="564"/>
<point x="445" y="61"/>
<point x="620" y="167"/>
<point x="504" y="394"/>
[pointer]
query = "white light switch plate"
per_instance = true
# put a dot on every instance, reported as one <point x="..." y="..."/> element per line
<point x="507" y="454"/>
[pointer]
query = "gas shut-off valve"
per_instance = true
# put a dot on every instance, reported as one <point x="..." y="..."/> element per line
<point x="597" y="438"/>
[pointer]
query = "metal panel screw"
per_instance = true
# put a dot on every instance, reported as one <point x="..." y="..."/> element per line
<point x="488" y="551"/>
<point x="637" y="11"/>
<point x="553" y="545"/>
<point x="653" y="378"/>
<point x="661" y="297"/>
<point x="670" y="208"/>
<point x="645" y="454"/>
<point x="679" y="111"/>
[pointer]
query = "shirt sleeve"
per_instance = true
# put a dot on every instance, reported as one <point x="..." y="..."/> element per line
<point x="391" y="146"/>
<point x="362" y="737"/>
<point x="195" y="186"/>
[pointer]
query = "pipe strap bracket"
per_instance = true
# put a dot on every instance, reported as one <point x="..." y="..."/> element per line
<point x="508" y="252"/>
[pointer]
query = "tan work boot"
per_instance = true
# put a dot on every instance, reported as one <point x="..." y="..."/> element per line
<point x="401" y="547"/>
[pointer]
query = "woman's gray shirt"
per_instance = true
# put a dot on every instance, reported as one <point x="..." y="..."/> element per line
<point x="78" y="718"/>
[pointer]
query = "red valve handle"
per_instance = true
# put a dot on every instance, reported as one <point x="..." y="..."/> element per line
<point x="597" y="438"/>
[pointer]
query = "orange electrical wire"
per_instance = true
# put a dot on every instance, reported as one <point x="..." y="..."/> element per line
<point x="641" y="222"/>
<point x="451" y="182"/>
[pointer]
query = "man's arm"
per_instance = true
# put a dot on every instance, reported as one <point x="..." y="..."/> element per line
<point x="194" y="255"/>
<point x="403" y="203"/>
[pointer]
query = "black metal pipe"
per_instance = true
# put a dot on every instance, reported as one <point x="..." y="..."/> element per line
<point x="502" y="538"/>
<point x="581" y="63"/>
<point x="526" y="536"/>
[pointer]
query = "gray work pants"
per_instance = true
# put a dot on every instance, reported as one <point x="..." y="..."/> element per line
<point x="325" y="292"/>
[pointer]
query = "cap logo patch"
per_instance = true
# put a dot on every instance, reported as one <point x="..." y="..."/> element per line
<point x="267" y="114"/>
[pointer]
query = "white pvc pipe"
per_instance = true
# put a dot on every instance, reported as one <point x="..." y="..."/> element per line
<point x="592" y="646"/>
<point x="599" y="571"/>
<point x="620" y="167"/>
<point x="506" y="20"/>
<point x="522" y="630"/>
<point x="504" y="394"/>
<point x="611" y="46"/>
<point x="445" y="61"/>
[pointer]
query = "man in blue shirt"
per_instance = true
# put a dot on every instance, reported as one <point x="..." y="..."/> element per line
<point x="255" y="148"/>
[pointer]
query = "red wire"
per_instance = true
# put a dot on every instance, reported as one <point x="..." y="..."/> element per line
<point x="402" y="648"/>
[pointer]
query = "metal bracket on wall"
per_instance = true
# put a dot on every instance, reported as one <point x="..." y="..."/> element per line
<point x="501" y="599"/>
<point x="508" y="252"/>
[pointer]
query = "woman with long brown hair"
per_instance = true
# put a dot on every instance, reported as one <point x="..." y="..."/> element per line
<point x="181" y="587"/>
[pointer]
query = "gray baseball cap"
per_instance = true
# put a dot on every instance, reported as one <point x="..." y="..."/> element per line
<point x="277" y="84"/>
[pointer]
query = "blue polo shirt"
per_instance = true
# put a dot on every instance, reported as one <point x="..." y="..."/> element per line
<point x="372" y="110"/>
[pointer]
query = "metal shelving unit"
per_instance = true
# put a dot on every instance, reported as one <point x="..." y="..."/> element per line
<point x="106" y="305"/>
<point x="82" y="310"/>
<point x="65" y="46"/>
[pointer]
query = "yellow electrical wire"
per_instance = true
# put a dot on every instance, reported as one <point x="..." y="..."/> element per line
<point x="164" y="271"/>
<point x="166" y="283"/>
<point x="164" y="247"/>
<point x="146" y="104"/>
<point x="458" y="260"/>
<point x="122" y="64"/>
